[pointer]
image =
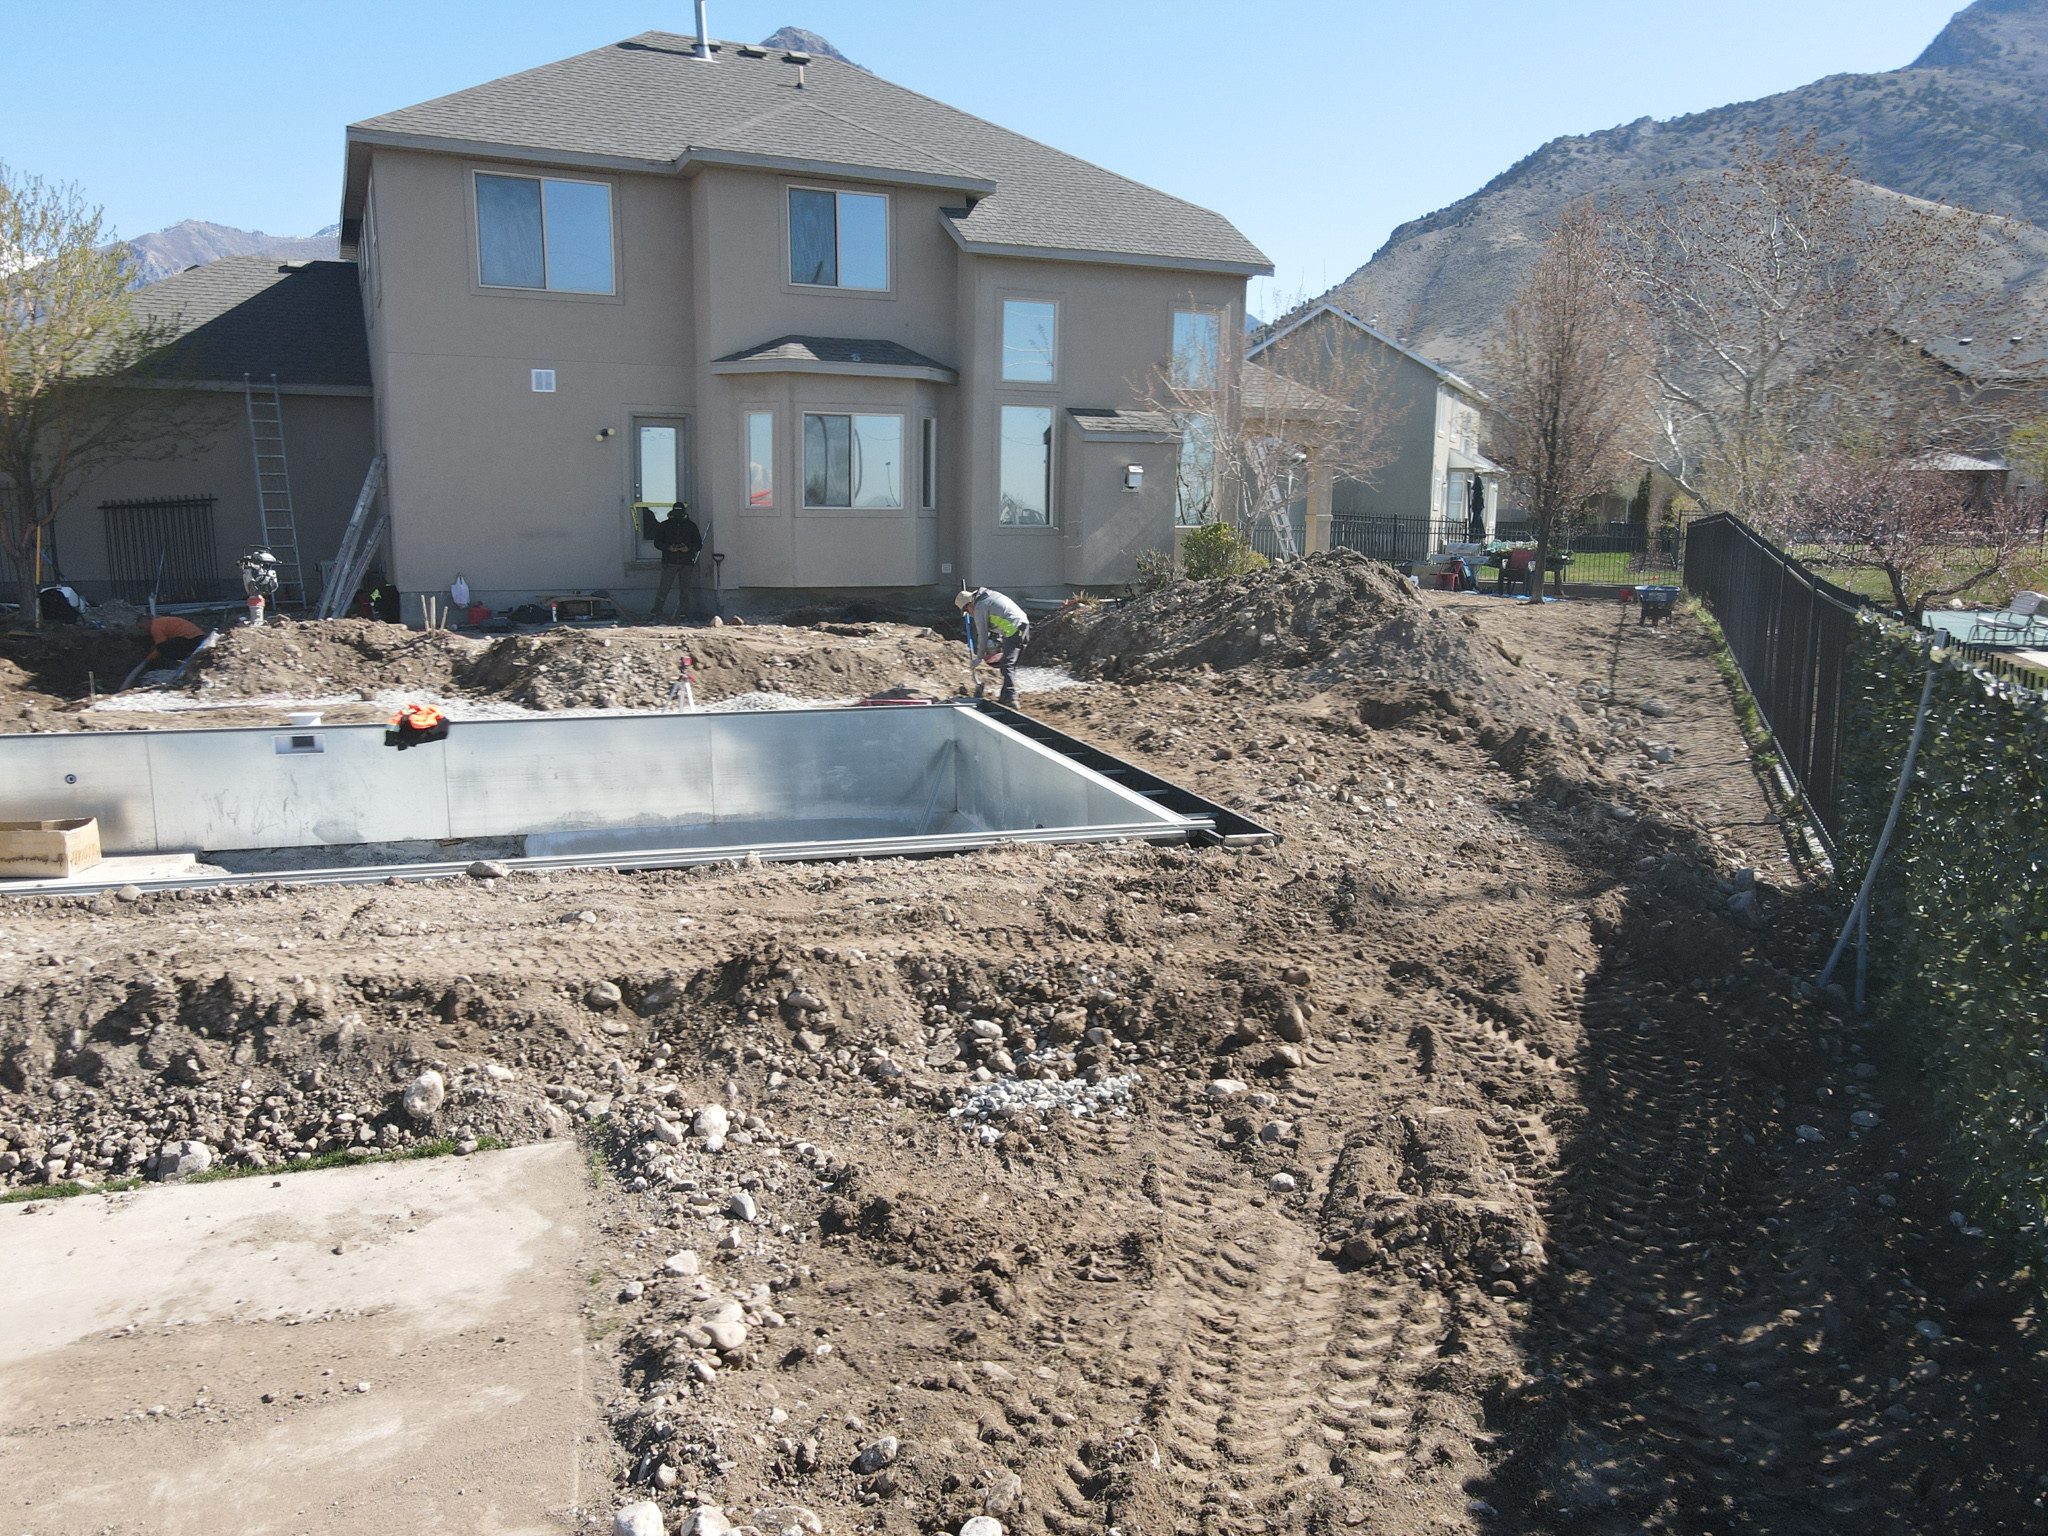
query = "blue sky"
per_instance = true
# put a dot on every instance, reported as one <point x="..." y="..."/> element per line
<point x="1316" y="127"/>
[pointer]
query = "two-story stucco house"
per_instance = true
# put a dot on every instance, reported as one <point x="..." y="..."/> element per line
<point x="1438" y="484"/>
<point x="873" y="342"/>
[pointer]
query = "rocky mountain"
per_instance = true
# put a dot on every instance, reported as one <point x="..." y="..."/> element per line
<point x="1967" y="121"/>
<point x="797" y="40"/>
<point x="192" y="241"/>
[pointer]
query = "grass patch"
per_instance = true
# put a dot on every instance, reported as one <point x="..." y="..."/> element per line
<point x="440" y="1146"/>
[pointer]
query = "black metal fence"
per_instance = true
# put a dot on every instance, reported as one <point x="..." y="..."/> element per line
<point x="164" y="546"/>
<point x="1788" y="631"/>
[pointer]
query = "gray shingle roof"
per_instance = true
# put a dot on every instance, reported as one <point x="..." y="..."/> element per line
<point x="832" y="349"/>
<point x="255" y="315"/>
<point x="1124" y="425"/>
<point x="647" y="101"/>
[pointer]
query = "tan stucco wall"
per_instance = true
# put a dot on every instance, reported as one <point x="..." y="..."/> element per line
<point x="514" y="490"/>
<point x="328" y="446"/>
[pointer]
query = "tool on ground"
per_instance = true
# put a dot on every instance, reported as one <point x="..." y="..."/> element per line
<point x="685" y="686"/>
<point x="260" y="579"/>
<point x="974" y="683"/>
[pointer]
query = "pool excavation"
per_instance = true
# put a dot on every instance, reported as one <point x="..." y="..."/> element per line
<point x="640" y="791"/>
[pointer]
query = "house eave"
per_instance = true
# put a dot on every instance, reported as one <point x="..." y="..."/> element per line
<point x="1104" y="258"/>
<point x="685" y="164"/>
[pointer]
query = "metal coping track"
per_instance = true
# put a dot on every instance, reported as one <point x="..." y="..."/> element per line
<point x="1228" y="827"/>
<point x="660" y="858"/>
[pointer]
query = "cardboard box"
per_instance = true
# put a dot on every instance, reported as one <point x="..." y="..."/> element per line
<point x="41" y="850"/>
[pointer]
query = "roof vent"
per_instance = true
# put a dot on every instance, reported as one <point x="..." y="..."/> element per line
<point x="799" y="60"/>
<point x="751" y="51"/>
<point x="703" y="34"/>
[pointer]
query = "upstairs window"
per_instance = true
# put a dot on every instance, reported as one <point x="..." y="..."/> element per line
<point x="838" y="239"/>
<point x="1030" y="328"/>
<point x="1197" y="341"/>
<point x="537" y="232"/>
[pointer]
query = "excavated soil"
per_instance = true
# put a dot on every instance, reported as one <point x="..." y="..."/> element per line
<point x="1441" y="1168"/>
<point x="353" y="666"/>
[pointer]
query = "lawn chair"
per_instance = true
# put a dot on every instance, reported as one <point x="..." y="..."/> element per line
<point x="2017" y="625"/>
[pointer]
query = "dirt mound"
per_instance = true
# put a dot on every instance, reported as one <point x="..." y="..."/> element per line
<point x="1327" y="619"/>
<point x="328" y="657"/>
<point x="574" y="668"/>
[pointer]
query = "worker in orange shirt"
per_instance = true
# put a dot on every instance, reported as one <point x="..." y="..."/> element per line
<point x="171" y="640"/>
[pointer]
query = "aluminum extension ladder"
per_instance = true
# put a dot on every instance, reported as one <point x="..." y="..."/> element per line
<point x="274" y="486"/>
<point x="359" y="544"/>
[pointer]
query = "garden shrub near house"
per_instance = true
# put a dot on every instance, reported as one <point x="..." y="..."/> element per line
<point x="1216" y="551"/>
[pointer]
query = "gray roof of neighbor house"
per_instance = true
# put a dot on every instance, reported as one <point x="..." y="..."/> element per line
<point x="256" y="315"/>
<point x="1279" y="332"/>
<point x="647" y="104"/>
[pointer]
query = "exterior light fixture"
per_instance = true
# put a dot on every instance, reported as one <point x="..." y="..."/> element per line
<point x="607" y="432"/>
<point x="1134" y="477"/>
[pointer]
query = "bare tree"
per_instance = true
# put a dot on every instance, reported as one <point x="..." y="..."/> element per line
<point x="1931" y="532"/>
<point x="1319" y="402"/>
<point x="1788" y="302"/>
<point x="1566" y="367"/>
<point x="70" y="346"/>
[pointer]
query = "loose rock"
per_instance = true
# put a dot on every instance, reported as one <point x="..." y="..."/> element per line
<point x="425" y="1094"/>
<point x="641" y="1519"/>
<point x="876" y="1456"/>
<point x="489" y="869"/>
<point x="602" y="995"/>
<point x="179" y="1158"/>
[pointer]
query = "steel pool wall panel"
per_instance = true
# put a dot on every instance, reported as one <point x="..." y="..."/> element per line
<point x="695" y="780"/>
<point x="77" y="773"/>
<point x="234" y="788"/>
<point x="510" y="776"/>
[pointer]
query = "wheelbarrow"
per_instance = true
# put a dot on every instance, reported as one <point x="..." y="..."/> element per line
<point x="1656" y="602"/>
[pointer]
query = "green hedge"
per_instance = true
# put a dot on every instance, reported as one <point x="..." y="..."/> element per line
<point x="1959" y="917"/>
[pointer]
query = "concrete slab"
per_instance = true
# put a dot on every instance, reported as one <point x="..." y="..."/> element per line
<point x="120" y="868"/>
<point x="394" y="1347"/>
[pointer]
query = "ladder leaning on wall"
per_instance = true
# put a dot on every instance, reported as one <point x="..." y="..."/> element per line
<point x="359" y="544"/>
<point x="274" y="485"/>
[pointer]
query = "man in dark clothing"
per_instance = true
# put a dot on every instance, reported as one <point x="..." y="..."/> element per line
<point x="680" y="541"/>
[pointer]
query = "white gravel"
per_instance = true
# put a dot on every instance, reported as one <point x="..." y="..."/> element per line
<point x="1076" y="1097"/>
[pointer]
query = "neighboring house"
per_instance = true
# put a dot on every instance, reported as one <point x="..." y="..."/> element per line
<point x="176" y="526"/>
<point x="873" y="341"/>
<point x="1437" y="481"/>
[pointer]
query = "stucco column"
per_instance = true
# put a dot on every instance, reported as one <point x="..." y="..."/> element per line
<point x="1318" y="529"/>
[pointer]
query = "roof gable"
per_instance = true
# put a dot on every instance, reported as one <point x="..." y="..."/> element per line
<point x="647" y="103"/>
<point x="1444" y="375"/>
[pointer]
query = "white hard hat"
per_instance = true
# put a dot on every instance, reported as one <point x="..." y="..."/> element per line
<point x="962" y="598"/>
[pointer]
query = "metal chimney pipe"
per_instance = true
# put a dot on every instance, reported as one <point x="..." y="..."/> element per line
<point x="703" y="34"/>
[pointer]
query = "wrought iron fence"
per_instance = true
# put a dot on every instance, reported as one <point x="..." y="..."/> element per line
<point x="1788" y="631"/>
<point x="163" y="546"/>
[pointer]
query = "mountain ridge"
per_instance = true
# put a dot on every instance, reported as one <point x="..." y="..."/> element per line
<point x="1966" y="122"/>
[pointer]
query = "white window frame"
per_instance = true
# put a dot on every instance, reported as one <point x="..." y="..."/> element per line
<point x="928" y="463"/>
<point x="1052" y="467"/>
<point x="1002" y="346"/>
<point x="572" y="295"/>
<point x="888" y="290"/>
<point x="1221" y="315"/>
<point x="803" y="502"/>
<point x="747" y="502"/>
